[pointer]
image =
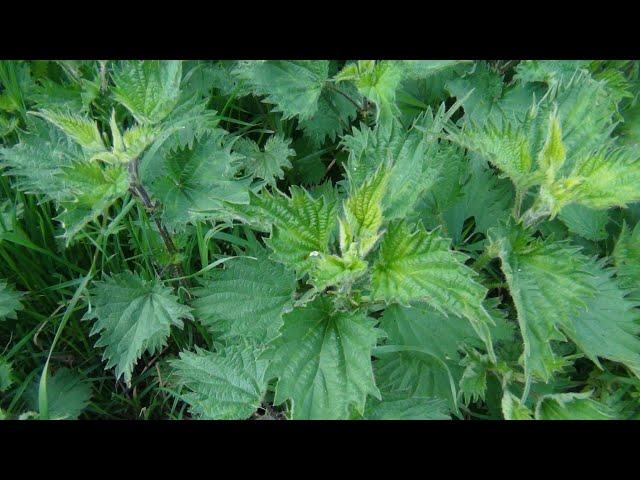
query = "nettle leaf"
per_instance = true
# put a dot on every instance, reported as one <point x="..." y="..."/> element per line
<point x="363" y="213"/>
<point x="132" y="316"/>
<point x="400" y="407"/>
<point x="422" y="351"/>
<point x="335" y="112"/>
<point x="49" y="163"/>
<point x="193" y="183"/>
<point x="550" y="283"/>
<point x="417" y="69"/>
<point x="301" y="226"/>
<point x="223" y="385"/>
<point x="68" y="394"/>
<point x="91" y="190"/>
<point x="585" y="221"/>
<point x="513" y="409"/>
<point x="269" y="163"/>
<point x="626" y="256"/>
<point x="468" y="188"/>
<point x="294" y="87"/>
<point x="9" y="301"/>
<point x="149" y="89"/>
<point x="411" y="156"/>
<point x="548" y="71"/>
<point x="507" y="147"/>
<point x="481" y="90"/>
<point x="417" y="265"/>
<point x="247" y="299"/>
<point x="7" y="377"/>
<point x="37" y="160"/>
<point x="323" y="362"/>
<point x="79" y="128"/>
<point x="604" y="179"/>
<point x="609" y="324"/>
<point x="376" y="80"/>
<point x="572" y="406"/>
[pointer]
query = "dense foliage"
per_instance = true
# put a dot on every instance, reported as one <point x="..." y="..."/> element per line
<point x="320" y="239"/>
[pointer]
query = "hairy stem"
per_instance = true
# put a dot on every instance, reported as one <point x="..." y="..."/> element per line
<point x="138" y="190"/>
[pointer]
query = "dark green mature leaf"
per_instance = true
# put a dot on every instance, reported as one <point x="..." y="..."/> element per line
<point x="626" y="256"/>
<point x="247" y="299"/>
<point x="224" y="385"/>
<point x="193" y="183"/>
<point x="585" y="221"/>
<point x="399" y="407"/>
<point x="482" y="89"/>
<point x="335" y="112"/>
<point x="68" y="395"/>
<point x="132" y="316"/>
<point x="423" y="348"/>
<point x="323" y="362"/>
<point x="9" y="301"/>
<point x="609" y="325"/>
<point x="294" y="87"/>
<point x="6" y="375"/>
<point x="269" y="163"/>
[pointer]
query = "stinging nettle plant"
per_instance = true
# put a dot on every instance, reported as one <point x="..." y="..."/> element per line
<point x="333" y="240"/>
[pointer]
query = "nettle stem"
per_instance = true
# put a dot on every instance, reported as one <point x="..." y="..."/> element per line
<point x="138" y="190"/>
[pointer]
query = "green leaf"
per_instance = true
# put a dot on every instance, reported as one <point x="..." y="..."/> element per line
<point x="247" y="299"/>
<point x="481" y="90"/>
<point x="607" y="178"/>
<point x="294" y="87"/>
<point x="149" y="89"/>
<point x="609" y="325"/>
<point x="513" y="409"/>
<point x="426" y="68"/>
<point x="37" y="160"/>
<point x="333" y="116"/>
<point x="400" y="407"/>
<point x="468" y="188"/>
<point x="224" y="385"/>
<point x="269" y="163"/>
<point x="572" y="406"/>
<point x="363" y="214"/>
<point x="585" y="221"/>
<point x="332" y="270"/>
<point x="91" y="190"/>
<point x="412" y="157"/>
<point x="68" y="395"/>
<point x="378" y="81"/>
<point x="79" y="128"/>
<point x="132" y="316"/>
<point x="422" y="352"/>
<point x="551" y="72"/>
<point x="9" y="301"/>
<point x="416" y="265"/>
<point x="323" y="362"/>
<point x="6" y="375"/>
<point x="301" y="226"/>
<point x="626" y="256"/>
<point x="192" y="183"/>
<point x="550" y="283"/>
